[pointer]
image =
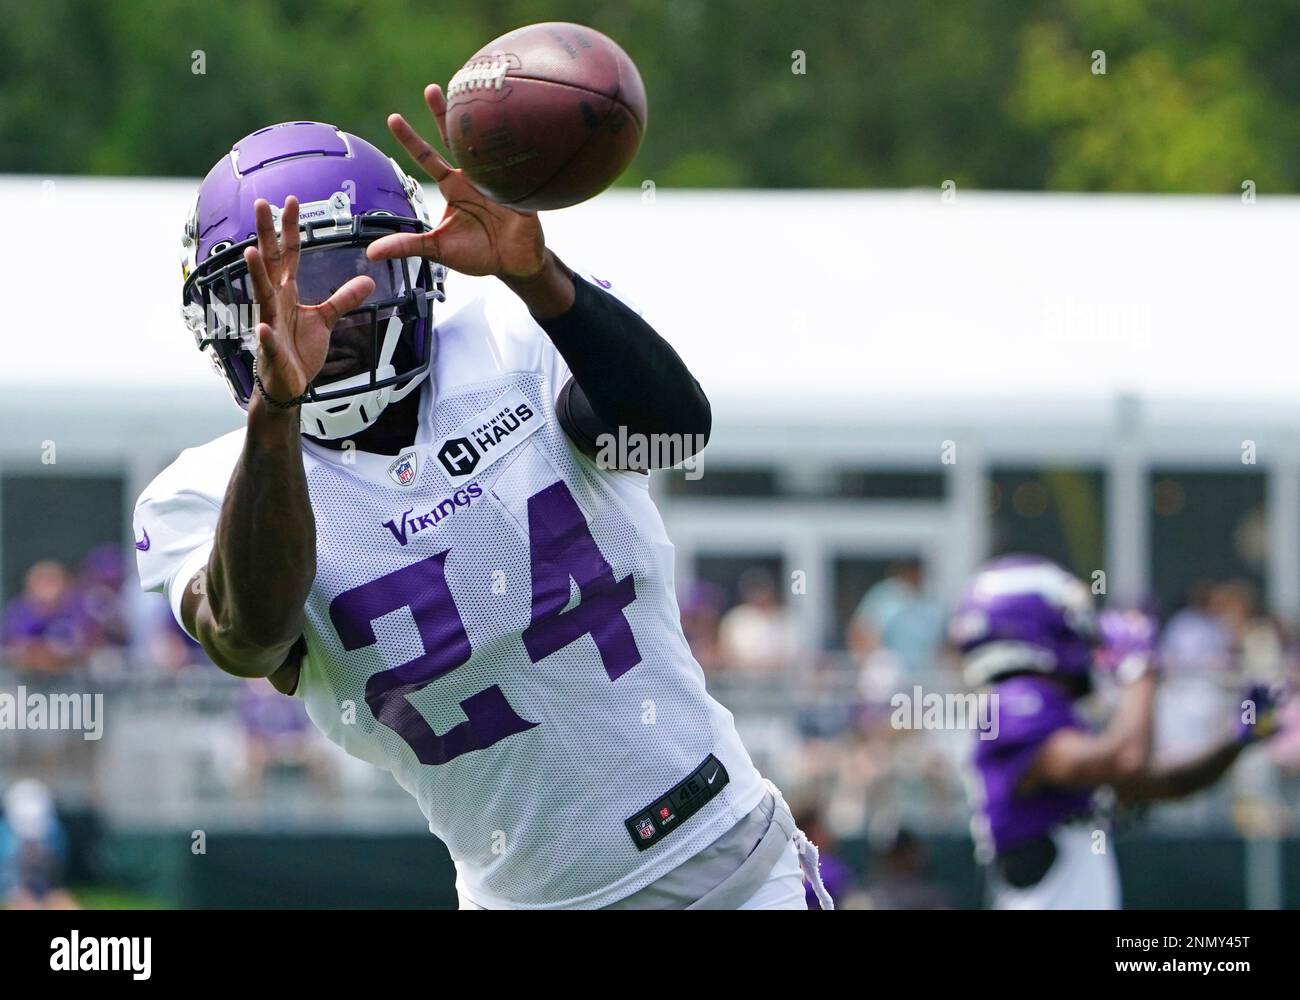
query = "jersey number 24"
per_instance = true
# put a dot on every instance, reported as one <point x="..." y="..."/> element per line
<point x="560" y="546"/>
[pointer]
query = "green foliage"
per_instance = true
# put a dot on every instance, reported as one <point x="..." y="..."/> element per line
<point x="1198" y="95"/>
<point x="1184" y="115"/>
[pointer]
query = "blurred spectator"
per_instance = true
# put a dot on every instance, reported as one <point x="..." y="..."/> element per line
<point x="99" y="599"/>
<point x="898" y="880"/>
<point x="1201" y="652"/>
<point x="277" y="733"/>
<point x="896" y="634"/>
<point x="1257" y="639"/>
<point x="1196" y="639"/>
<point x="758" y="635"/>
<point x="701" y="611"/>
<point x="1284" y="748"/>
<point x="45" y="629"/>
<point x="838" y="876"/>
<point x="168" y="648"/>
<point x="33" y="847"/>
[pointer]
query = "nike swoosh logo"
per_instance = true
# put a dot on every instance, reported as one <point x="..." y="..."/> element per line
<point x="143" y="544"/>
<point x="709" y="779"/>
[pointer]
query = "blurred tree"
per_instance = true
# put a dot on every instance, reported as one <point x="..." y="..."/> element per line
<point x="1198" y="95"/>
<point x="1180" y="107"/>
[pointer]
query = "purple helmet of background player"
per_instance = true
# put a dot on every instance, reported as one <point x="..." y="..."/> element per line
<point x="350" y="195"/>
<point x="1024" y="614"/>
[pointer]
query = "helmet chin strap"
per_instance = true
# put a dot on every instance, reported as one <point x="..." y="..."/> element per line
<point x="341" y="418"/>
<point x="990" y="661"/>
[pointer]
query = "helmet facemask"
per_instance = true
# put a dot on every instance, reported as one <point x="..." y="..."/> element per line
<point x="379" y="352"/>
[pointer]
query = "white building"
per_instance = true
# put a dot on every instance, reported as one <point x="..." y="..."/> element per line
<point x="872" y="358"/>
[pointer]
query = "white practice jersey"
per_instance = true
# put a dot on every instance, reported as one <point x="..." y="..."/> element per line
<point x="1080" y="878"/>
<point x="493" y="620"/>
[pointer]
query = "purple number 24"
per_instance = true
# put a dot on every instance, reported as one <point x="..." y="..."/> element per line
<point x="560" y="548"/>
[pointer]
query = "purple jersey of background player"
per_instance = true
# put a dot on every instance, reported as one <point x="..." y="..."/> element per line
<point x="1029" y="710"/>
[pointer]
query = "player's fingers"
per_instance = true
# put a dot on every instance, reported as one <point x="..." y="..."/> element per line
<point x="267" y="242"/>
<point x="290" y="238"/>
<point x="263" y="292"/>
<point x="345" y="299"/>
<point x="438" y="106"/>
<point x="266" y="341"/>
<point x="423" y="154"/>
<point x="404" y="245"/>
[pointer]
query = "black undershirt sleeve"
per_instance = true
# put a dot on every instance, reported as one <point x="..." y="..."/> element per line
<point x="624" y="375"/>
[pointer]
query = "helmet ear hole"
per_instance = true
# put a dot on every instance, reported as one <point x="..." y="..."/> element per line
<point x="220" y="247"/>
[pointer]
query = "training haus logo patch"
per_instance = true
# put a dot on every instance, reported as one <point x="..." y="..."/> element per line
<point x="486" y="436"/>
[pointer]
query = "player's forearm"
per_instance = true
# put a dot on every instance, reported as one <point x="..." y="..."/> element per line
<point x="1130" y="731"/>
<point x="625" y="376"/>
<point x="1184" y="778"/>
<point x="264" y="556"/>
<point x="548" y="293"/>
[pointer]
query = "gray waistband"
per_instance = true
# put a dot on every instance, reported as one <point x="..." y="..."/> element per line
<point x="728" y="871"/>
<point x="753" y="872"/>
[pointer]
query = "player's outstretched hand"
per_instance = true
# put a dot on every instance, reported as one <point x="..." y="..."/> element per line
<point x="292" y="339"/>
<point x="1127" y="643"/>
<point x="476" y="235"/>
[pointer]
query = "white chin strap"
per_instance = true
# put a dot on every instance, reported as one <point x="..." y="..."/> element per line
<point x="341" y="418"/>
<point x="985" y="663"/>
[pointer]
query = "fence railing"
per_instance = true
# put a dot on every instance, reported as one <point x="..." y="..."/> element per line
<point x="201" y="749"/>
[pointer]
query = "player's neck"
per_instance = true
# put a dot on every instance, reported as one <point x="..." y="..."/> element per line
<point x="394" y="430"/>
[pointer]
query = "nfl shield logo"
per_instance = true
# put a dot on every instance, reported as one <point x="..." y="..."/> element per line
<point x="403" y="470"/>
<point x="645" y="829"/>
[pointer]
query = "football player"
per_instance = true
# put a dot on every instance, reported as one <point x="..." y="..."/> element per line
<point x="1028" y="634"/>
<point x="412" y="534"/>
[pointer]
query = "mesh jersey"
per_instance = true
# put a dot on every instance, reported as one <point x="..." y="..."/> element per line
<point x="493" y="620"/>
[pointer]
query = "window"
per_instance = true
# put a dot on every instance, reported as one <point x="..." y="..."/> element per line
<point x="726" y="573"/>
<point x="1057" y="512"/>
<point x="724" y="482"/>
<point x="55" y="517"/>
<point x="1205" y="526"/>
<point x="854" y="576"/>
<point x="889" y="484"/>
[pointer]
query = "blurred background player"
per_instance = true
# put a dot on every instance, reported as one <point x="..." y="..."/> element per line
<point x="1028" y="634"/>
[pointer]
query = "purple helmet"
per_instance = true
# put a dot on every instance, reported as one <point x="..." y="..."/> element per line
<point x="1024" y="614"/>
<point x="350" y="195"/>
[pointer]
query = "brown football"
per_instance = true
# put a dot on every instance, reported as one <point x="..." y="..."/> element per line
<point x="546" y="116"/>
